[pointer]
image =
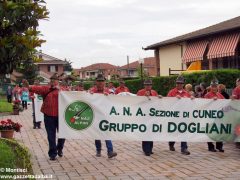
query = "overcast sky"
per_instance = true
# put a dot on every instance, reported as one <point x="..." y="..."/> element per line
<point x="93" y="31"/>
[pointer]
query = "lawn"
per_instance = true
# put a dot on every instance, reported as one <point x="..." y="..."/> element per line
<point x="7" y="158"/>
<point x="5" y="106"/>
<point x="14" y="156"/>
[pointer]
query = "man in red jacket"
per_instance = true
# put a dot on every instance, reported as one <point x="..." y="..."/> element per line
<point x="121" y="88"/>
<point x="50" y="110"/>
<point x="236" y="91"/>
<point x="101" y="89"/>
<point x="236" y="95"/>
<point x="147" y="146"/>
<point x="214" y="94"/>
<point x="179" y="92"/>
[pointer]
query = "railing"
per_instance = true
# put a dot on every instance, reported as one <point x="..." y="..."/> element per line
<point x="171" y="70"/>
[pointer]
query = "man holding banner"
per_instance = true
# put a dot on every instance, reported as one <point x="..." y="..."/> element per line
<point x="179" y="92"/>
<point x="50" y="110"/>
<point x="214" y="94"/>
<point x="147" y="146"/>
<point x="101" y="89"/>
<point x="121" y="88"/>
<point x="236" y="95"/>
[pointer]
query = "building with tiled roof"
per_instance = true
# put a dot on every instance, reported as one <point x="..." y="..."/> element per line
<point x="213" y="47"/>
<point x="92" y="70"/>
<point x="49" y="65"/>
<point x="131" y="69"/>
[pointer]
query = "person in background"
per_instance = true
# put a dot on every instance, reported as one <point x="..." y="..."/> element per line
<point x="32" y="97"/>
<point x="208" y="89"/>
<point x="101" y="89"/>
<point x="64" y="86"/>
<point x="222" y="91"/>
<point x="92" y="87"/>
<point x="203" y="89"/>
<point x="79" y="87"/>
<point x="50" y="110"/>
<point x="236" y="95"/>
<point x="198" y="92"/>
<point x="236" y="90"/>
<point x="121" y="88"/>
<point x="214" y="94"/>
<point x="9" y="94"/>
<point x="147" y="146"/>
<point x="179" y="93"/>
<point x="24" y="97"/>
<point x="111" y="88"/>
<point x="188" y="88"/>
<point x="17" y="92"/>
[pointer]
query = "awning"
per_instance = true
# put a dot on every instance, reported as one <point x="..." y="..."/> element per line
<point x="196" y="65"/>
<point x="223" y="46"/>
<point x="195" y="51"/>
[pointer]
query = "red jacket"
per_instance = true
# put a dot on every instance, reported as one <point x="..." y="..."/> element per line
<point x="211" y="95"/>
<point x="143" y="92"/>
<point x="236" y="93"/>
<point x="95" y="90"/>
<point x="31" y="95"/>
<point x="121" y="89"/>
<point x="175" y="92"/>
<point x="50" y="103"/>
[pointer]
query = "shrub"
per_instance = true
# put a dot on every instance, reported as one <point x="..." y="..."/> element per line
<point x="164" y="83"/>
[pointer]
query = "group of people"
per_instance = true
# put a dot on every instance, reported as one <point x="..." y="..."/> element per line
<point x="18" y="93"/>
<point x="50" y="108"/>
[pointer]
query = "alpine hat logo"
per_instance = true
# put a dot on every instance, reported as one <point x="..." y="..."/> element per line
<point x="79" y="115"/>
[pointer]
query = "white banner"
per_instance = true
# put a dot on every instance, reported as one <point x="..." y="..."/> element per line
<point x="137" y="118"/>
<point x="38" y="100"/>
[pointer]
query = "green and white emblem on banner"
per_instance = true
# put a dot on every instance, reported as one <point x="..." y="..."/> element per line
<point x="39" y="97"/>
<point x="79" y="115"/>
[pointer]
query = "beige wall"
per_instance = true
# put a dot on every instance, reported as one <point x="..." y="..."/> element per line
<point x="170" y="57"/>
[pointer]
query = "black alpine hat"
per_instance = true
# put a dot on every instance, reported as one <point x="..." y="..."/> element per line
<point x="180" y="80"/>
<point x="148" y="82"/>
<point x="100" y="77"/>
<point x="214" y="82"/>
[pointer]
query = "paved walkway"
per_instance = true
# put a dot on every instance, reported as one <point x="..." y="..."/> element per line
<point x="79" y="161"/>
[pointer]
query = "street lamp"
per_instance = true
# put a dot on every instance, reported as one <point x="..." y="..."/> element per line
<point x="141" y="61"/>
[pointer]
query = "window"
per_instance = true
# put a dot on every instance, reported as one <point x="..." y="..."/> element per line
<point x="215" y="64"/>
<point x="225" y="63"/>
<point x="205" y="65"/>
<point x="53" y="68"/>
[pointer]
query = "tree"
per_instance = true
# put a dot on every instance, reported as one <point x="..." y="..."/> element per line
<point x="67" y="66"/>
<point x="29" y="70"/>
<point x="18" y="32"/>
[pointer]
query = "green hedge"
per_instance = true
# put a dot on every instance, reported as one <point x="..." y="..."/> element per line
<point x="164" y="83"/>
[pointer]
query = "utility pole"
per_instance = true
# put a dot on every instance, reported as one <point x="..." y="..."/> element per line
<point x="128" y="66"/>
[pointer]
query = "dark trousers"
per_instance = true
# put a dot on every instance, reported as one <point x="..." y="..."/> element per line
<point x="51" y="125"/>
<point x="219" y="145"/>
<point x="24" y="104"/>
<point x="9" y="98"/>
<point x="35" y="124"/>
<point x="147" y="146"/>
<point x="183" y="145"/>
<point x="109" y="145"/>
